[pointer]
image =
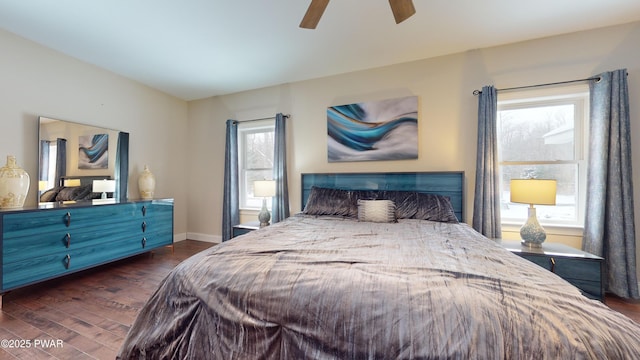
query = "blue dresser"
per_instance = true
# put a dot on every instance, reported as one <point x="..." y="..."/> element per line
<point x="51" y="241"/>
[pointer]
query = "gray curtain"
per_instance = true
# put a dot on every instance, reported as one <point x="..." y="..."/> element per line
<point x="231" y="201"/>
<point x="609" y="225"/>
<point x="486" y="202"/>
<point x="280" y="203"/>
<point x="121" y="172"/>
<point x="61" y="160"/>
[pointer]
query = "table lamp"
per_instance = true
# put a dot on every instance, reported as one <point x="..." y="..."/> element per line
<point x="533" y="191"/>
<point x="104" y="186"/>
<point x="264" y="189"/>
<point x="71" y="182"/>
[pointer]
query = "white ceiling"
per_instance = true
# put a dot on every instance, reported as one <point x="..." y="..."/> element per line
<point x="194" y="49"/>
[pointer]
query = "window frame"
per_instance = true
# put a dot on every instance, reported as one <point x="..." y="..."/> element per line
<point x="246" y="202"/>
<point x="576" y="94"/>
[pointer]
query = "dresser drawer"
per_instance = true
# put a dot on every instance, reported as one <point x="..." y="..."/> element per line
<point x="155" y="208"/>
<point x="35" y="245"/>
<point x="158" y="238"/>
<point x="40" y="268"/>
<point x="34" y="223"/>
<point x="583" y="269"/>
<point x="568" y="268"/>
<point x="157" y="223"/>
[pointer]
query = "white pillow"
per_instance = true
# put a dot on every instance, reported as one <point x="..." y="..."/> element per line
<point x="376" y="210"/>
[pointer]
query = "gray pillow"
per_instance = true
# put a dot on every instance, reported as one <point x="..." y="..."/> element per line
<point x="324" y="201"/>
<point x="415" y="205"/>
<point x="73" y="193"/>
<point x="435" y="208"/>
<point x="408" y="204"/>
<point x="50" y="195"/>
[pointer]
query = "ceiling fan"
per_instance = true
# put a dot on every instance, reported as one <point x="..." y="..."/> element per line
<point x="402" y="10"/>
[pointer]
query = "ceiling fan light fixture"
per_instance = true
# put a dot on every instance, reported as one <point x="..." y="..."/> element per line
<point x="402" y="9"/>
<point x="313" y="14"/>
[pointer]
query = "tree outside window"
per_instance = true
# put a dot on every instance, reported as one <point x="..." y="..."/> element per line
<point x="256" y="160"/>
<point x="544" y="138"/>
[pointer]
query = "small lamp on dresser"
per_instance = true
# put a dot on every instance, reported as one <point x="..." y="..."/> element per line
<point x="72" y="182"/>
<point x="538" y="192"/>
<point x="264" y="189"/>
<point x="104" y="187"/>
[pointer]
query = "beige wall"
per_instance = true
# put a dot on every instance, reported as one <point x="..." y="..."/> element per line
<point x="183" y="142"/>
<point x="36" y="81"/>
<point x="447" y="111"/>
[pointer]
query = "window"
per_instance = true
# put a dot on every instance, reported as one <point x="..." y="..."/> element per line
<point x="49" y="172"/>
<point x="543" y="134"/>
<point x="256" y="150"/>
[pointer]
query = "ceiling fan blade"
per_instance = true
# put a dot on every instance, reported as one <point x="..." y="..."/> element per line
<point x="402" y="9"/>
<point x="314" y="13"/>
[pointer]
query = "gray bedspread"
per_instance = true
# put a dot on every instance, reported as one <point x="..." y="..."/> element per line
<point x="329" y="288"/>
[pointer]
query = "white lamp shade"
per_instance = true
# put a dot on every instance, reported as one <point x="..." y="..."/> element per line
<point x="533" y="191"/>
<point x="104" y="186"/>
<point x="264" y="188"/>
<point x="71" y="182"/>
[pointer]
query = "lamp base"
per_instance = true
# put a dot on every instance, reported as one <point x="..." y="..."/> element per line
<point x="264" y="216"/>
<point x="532" y="233"/>
<point x="529" y="244"/>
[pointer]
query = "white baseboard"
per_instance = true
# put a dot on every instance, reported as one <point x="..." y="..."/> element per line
<point x="179" y="237"/>
<point x="204" y="237"/>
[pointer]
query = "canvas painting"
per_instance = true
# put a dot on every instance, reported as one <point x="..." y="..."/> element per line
<point x="93" y="151"/>
<point x="377" y="130"/>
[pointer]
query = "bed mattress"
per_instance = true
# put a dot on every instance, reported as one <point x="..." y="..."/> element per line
<point x="314" y="287"/>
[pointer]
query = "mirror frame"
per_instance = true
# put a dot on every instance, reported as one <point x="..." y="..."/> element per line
<point x="118" y="166"/>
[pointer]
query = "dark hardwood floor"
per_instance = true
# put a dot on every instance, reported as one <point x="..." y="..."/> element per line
<point x="87" y="315"/>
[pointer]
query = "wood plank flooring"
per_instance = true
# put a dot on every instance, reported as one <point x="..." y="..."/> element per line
<point x="87" y="315"/>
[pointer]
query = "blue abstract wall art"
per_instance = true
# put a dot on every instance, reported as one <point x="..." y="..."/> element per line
<point x="93" y="151"/>
<point x="378" y="130"/>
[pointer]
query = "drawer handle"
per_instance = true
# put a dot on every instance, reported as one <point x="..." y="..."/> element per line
<point x="68" y="219"/>
<point x="144" y="226"/>
<point x="553" y="264"/>
<point x="144" y="242"/>
<point x="68" y="239"/>
<point x="144" y="211"/>
<point x="68" y="261"/>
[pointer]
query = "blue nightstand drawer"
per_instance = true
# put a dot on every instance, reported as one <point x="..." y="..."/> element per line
<point x="583" y="270"/>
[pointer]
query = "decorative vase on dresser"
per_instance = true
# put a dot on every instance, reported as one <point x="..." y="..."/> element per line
<point x="146" y="184"/>
<point x="14" y="184"/>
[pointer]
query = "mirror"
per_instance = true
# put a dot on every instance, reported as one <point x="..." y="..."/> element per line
<point x="73" y="154"/>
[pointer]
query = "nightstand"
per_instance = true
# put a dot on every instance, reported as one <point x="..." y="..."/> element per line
<point x="242" y="229"/>
<point x="583" y="270"/>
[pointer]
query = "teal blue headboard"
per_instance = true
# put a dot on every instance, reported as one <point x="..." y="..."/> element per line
<point x="448" y="183"/>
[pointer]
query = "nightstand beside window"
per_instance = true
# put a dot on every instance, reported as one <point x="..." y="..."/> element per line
<point x="242" y="229"/>
<point x="582" y="269"/>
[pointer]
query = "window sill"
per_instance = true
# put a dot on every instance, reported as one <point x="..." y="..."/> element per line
<point x="563" y="230"/>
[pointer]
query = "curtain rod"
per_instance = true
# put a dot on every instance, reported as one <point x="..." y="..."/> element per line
<point x="596" y="78"/>
<point x="267" y="118"/>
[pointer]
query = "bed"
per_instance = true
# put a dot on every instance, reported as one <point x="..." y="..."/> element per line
<point x="347" y="280"/>
<point x="80" y="191"/>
